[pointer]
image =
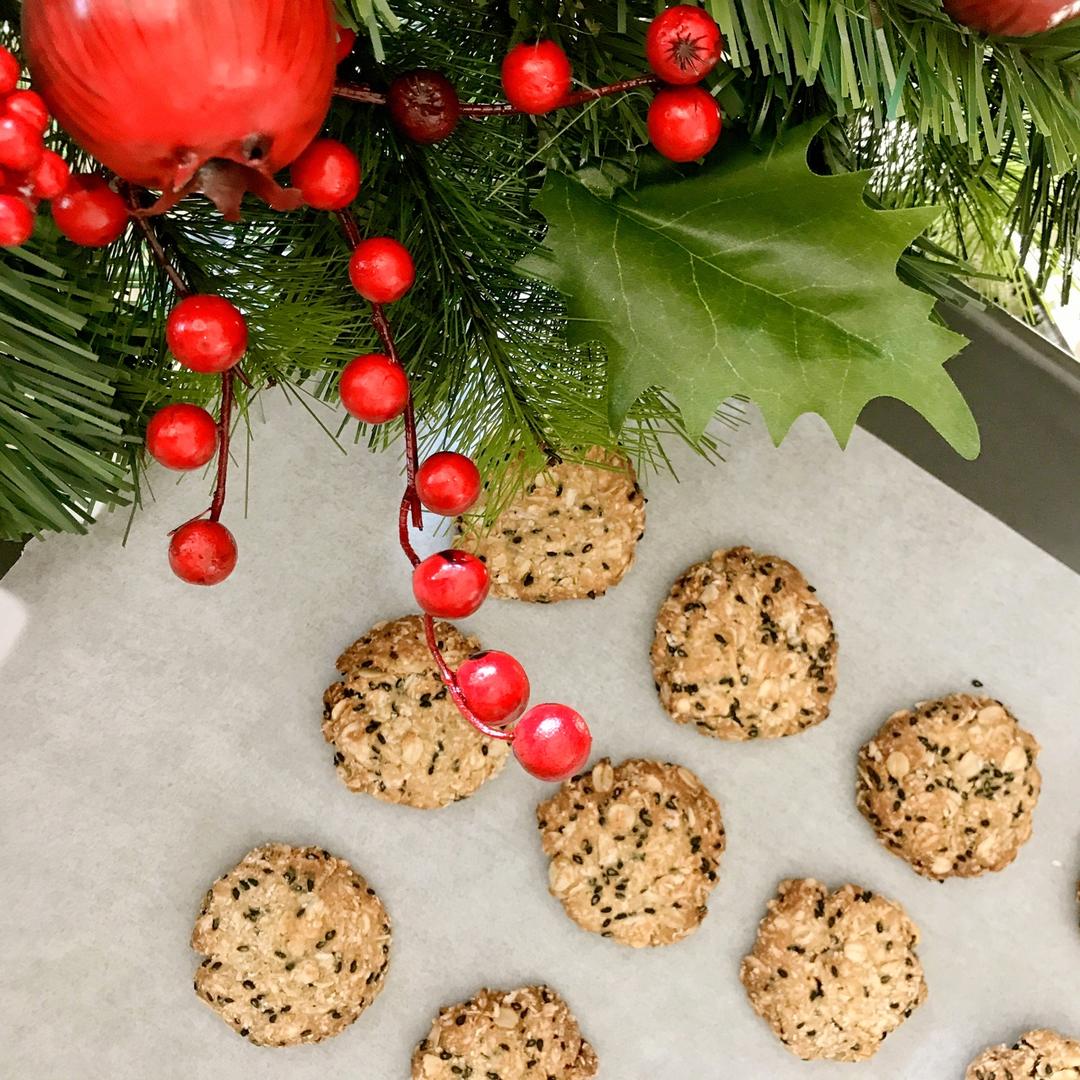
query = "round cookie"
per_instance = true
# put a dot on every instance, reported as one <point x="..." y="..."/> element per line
<point x="571" y="534"/>
<point x="950" y="786"/>
<point x="634" y="850"/>
<point x="296" y="945"/>
<point x="524" y="1034"/>
<point x="1043" y="1054"/>
<point x="743" y="648"/>
<point x="395" y="731"/>
<point x="833" y="973"/>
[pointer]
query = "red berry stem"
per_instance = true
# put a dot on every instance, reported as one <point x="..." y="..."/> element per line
<point x="363" y="95"/>
<point x="224" y="433"/>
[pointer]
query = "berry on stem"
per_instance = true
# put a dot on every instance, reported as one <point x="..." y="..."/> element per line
<point x="495" y="686"/>
<point x="536" y="77"/>
<point x="27" y="106"/>
<point x="202" y="553"/>
<point x="424" y="106"/>
<point x="182" y="436"/>
<point x="10" y="70"/>
<point x="20" y="143"/>
<point x="683" y="44"/>
<point x="50" y="177"/>
<point x="381" y="270"/>
<point x="206" y="334"/>
<point x="327" y="174"/>
<point x="448" y="483"/>
<point x="552" y="742"/>
<point x="89" y="212"/>
<point x="684" y="123"/>
<point x="16" y="221"/>
<point x="450" y="585"/>
<point x="374" y="388"/>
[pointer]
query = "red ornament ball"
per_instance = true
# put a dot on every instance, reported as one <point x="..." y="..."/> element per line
<point x="381" y="270"/>
<point x="344" y="41"/>
<point x="10" y="70"/>
<point x="536" y="78"/>
<point x="20" y="143"/>
<point x="182" y="436"/>
<point x="684" y="123"/>
<point x="202" y="553"/>
<point x="451" y="584"/>
<point x="206" y="334"/>
<point x="50" y="177"/>
<point x="683" y="44"/>
<point x="1013" y="18"/>
<point x="495" y="686"/>
<point x="327" y="174"/>
<point x="374" y="388"/>
<point x="89" y="212"/>
<point x="552" y="742"/>
<point x="448" y="483"/>
<point x="16" y="221"/>
<point x="424" y="106"/>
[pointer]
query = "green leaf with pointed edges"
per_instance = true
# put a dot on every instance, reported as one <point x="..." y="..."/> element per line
<point x="753" y="276"/>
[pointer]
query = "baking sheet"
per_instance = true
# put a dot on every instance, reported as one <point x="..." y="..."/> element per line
<point x="153" y="733"/>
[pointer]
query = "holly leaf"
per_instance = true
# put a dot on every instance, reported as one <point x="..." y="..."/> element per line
<point x="753" y="276"/>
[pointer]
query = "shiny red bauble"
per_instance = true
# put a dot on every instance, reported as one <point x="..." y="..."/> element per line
<point x="344" y="40"/>
<point x="182" y="436"/>
<point x="20" y="143"/>
<point x="202" y="553"/>
<point x="683" y="44"/>
<point x="448" y="483"/>
<point x="1013" y="18"/>
<point x="451" y="584"/>
<point x="16" y="221"/>
<point x="327" y="174"/>
<point x="374" y="388"/>
<point x="206" y="334"/>
<point x="381" y="270"/>
<point x="495" y="686"/>
<point x="50" y="177"/>
<point x="10" y="70"/>
<point x="89" y="212"/>
<point x="536" y="77"/>
<point x="28" y="106"/>
<point x="424" y="106"/>
<point x="552" y="742"/>
<point x="684" y="123"/>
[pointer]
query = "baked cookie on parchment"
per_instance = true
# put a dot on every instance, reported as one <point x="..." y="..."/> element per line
<point x="950" y="786"/>
<point x="833" y="973"/>
<point x="296" y="945"/>
<point x="743" y="648"/>
<point x="395" y="731"/>
<point x="524" y="1034"/>
<point x="634" y="850"/>
<point x="1042" y="1054"/>
<point x="570" y="535"/>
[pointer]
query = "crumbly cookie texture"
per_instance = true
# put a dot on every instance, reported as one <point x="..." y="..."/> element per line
<point x="395" y="731"/>
<point x="951" y="785"/>
<point x="570" y="535"/>
<point x="634" y="850"/>
<point x="1042" y="1054"/>
<point x="743" y="648"/>
<point x="524" y="1034"/>
<point x="296" y="945"/>
<point x="833" y="973"/>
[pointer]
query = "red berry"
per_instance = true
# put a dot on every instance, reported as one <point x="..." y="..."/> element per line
<point x="50" y="177"/>
<point x="202" y="553"/>
<point x="89" y="212"/>
<point x="28" y="106"/>
<point x="346" y="39"/>
<point x="450" y="585"/>
<point x="327" y="174"/>
<point x="16" y="221"/>
<point x="10" y="70"/>
<point x="536" y="78"/>
<point x="206" y="334"/>
<point x="495" y="686"/>
<point x="424" y="106"/>
<point x="20" y="143"/>
<point x="374" y="388"/>
<point x="684" y="123"/>
<point x="182" y="436"/>
<point x="448" y="483"/>
<point x="381" y="270"/>
<point x="552" y="742"/>
<point x="683" y="44"/>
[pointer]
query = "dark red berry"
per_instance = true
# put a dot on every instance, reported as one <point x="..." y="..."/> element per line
<point x="552" y="742"/>
<point x="206" y="334"/>
<point x="327" y="174"/>
<point x="536" y="78"/>
<point x="381" y="270"/>
<point x="683" y="44"/>
<point x="16" y="221"/>
<point x="374" y="388"/>
<point x="684" y="123"/>
<point x="27" y="106"/>
<point x="424" y="106"/>
<point x="495" y="686"/>
<point x="89" y="212"/>
<point x="50" y="177"/>
<point x="202" y="553"/>
<point x="448" y="483"/>
<point x="10" y="70"/>
<point x="20" y="143"/>
<point x="346" y="39"/>
<point x="451" y="584"/>
<point x="182" y="436"/>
